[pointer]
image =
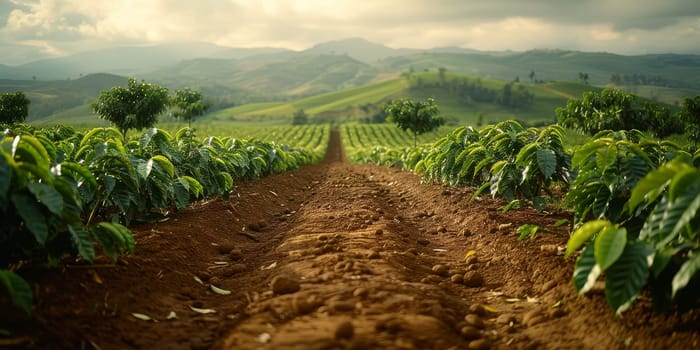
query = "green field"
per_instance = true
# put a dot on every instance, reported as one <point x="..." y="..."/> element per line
<point x="346" y="105"/>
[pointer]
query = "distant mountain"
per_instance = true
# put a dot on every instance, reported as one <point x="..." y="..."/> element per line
<point x="125" y="60"/>
<point x="234" y="76"/>
<point x="359" y="49"/>
<point x="283" y="75"/>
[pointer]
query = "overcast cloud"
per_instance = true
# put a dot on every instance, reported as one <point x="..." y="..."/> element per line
<point x="34" y="29"/>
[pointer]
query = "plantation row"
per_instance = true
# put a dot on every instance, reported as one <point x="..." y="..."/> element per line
<point x="309" y="137"/>
<point x="360" y="140"/>
<point x="635" y="201"/>
<point x="62" y="191"/>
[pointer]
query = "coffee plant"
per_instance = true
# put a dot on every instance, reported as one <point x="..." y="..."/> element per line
<point x="66" y="192"/>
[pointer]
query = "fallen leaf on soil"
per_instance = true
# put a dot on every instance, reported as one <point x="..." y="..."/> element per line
<point x="141" y="317"/>
<point x="96" y="277"/>
<point x="171" y="316"/>
<point x="490" y="309"/>
<point x="268" y="267"/>
<point x="533" y="300"/>
<point x="469" y="253"/>
<point x="264" y="338"/>
<point x="512" y="300"/>
<point x="218" y="290"/>
<point x="439" y="250"/>
<point x="502" y="227"/>
<point x="202" y="311"/>
<point x="198" y="280"/>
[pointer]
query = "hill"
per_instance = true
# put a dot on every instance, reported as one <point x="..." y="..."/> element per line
<point x="676" y="71"/>
<point x="363" y="103"/>
<point x="271" y="76"/>
<point x="125" y="60"/>
<point x="241" y="76"/>
<point x="51" y="97"/>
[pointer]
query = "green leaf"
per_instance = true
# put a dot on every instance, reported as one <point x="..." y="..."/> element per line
<point x="688" y="179"/>
<point x="586" y="271"/>
<point x="654" y="183"/>
<point x="561" y="222"/>
<point x="18" y="289"/>
<point x="114" y="238"/>
<point x="609" y="245"/>
<point x="28" y="149"/>
<point x="527" y="231"/>
<point x="547" y="162"/>
<point x="688" y="270"/>
<point x="676" y="215"/>
<point x="28" y="209"/>
<point x="79" y="172"/>
<point x="164" y="163"/>
<point x="48" y="196"/>
<point x="583" y="234"/>
<point x="625" y="279"/>
<point x="5" y="178"/>
<point x="82" y="241"/>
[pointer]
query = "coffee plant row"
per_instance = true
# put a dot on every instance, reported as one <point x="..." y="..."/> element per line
<point x="67" y="192"/>
<point x="309" y="137"/>
<point x="635" y="200"/>
<point x="361" y="140"/>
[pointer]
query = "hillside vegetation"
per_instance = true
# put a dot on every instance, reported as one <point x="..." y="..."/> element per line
<point x="234" y="77"/>
<point x="363" y="103"/>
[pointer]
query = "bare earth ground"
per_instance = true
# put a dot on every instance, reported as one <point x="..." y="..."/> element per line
<point x="336" y="256"/>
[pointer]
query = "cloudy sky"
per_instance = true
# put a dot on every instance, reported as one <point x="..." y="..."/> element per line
<point x="33" y="29"/>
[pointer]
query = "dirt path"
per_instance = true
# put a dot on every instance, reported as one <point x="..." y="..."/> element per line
<point x="336" y="256"/>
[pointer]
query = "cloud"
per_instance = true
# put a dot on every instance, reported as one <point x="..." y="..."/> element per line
<point x="626" y="26"/>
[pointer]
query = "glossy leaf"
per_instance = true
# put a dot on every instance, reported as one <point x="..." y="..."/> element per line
<point x="689" y="269"/>
<point x="28" y="209"/>
<point x="586" y="271"/>
<point x="547" y="162"/>
<point x="18" y="289"/>
<point x="48" y="196"/>
<point x="609" y="245"/>
<point x="625" y="279"/>
<point x="583" y="234"/>
<point x="83" y="242"/>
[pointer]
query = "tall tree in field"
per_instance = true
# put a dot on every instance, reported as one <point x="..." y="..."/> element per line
<point x="190" y="104"/>
<point x="417" y="116"/>
<point x="441" y="74"/>
<point x="690" y="116"/>
<point x="14" y="107"/>
<point x="300" y="117"/>
<point x="136" y="106"/>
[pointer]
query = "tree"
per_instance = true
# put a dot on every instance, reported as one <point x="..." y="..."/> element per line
<point x="614" y="109"/>
<point x="300" y="117"/>
<point x="690" y="116"/>
<point x="14" y="107"/>
<point x="189" y="103"/>
<point x="532" y="76"/>
<point x="441" y="74"/>
<point x="417" y="116"/>
<point x="135" y="107"/>
<point x="583" y="77"/>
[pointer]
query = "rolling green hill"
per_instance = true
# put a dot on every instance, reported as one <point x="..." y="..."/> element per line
<point x="62" y="96"/>
<point x="359" y="103"/>
<point x="349" y="79"/>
